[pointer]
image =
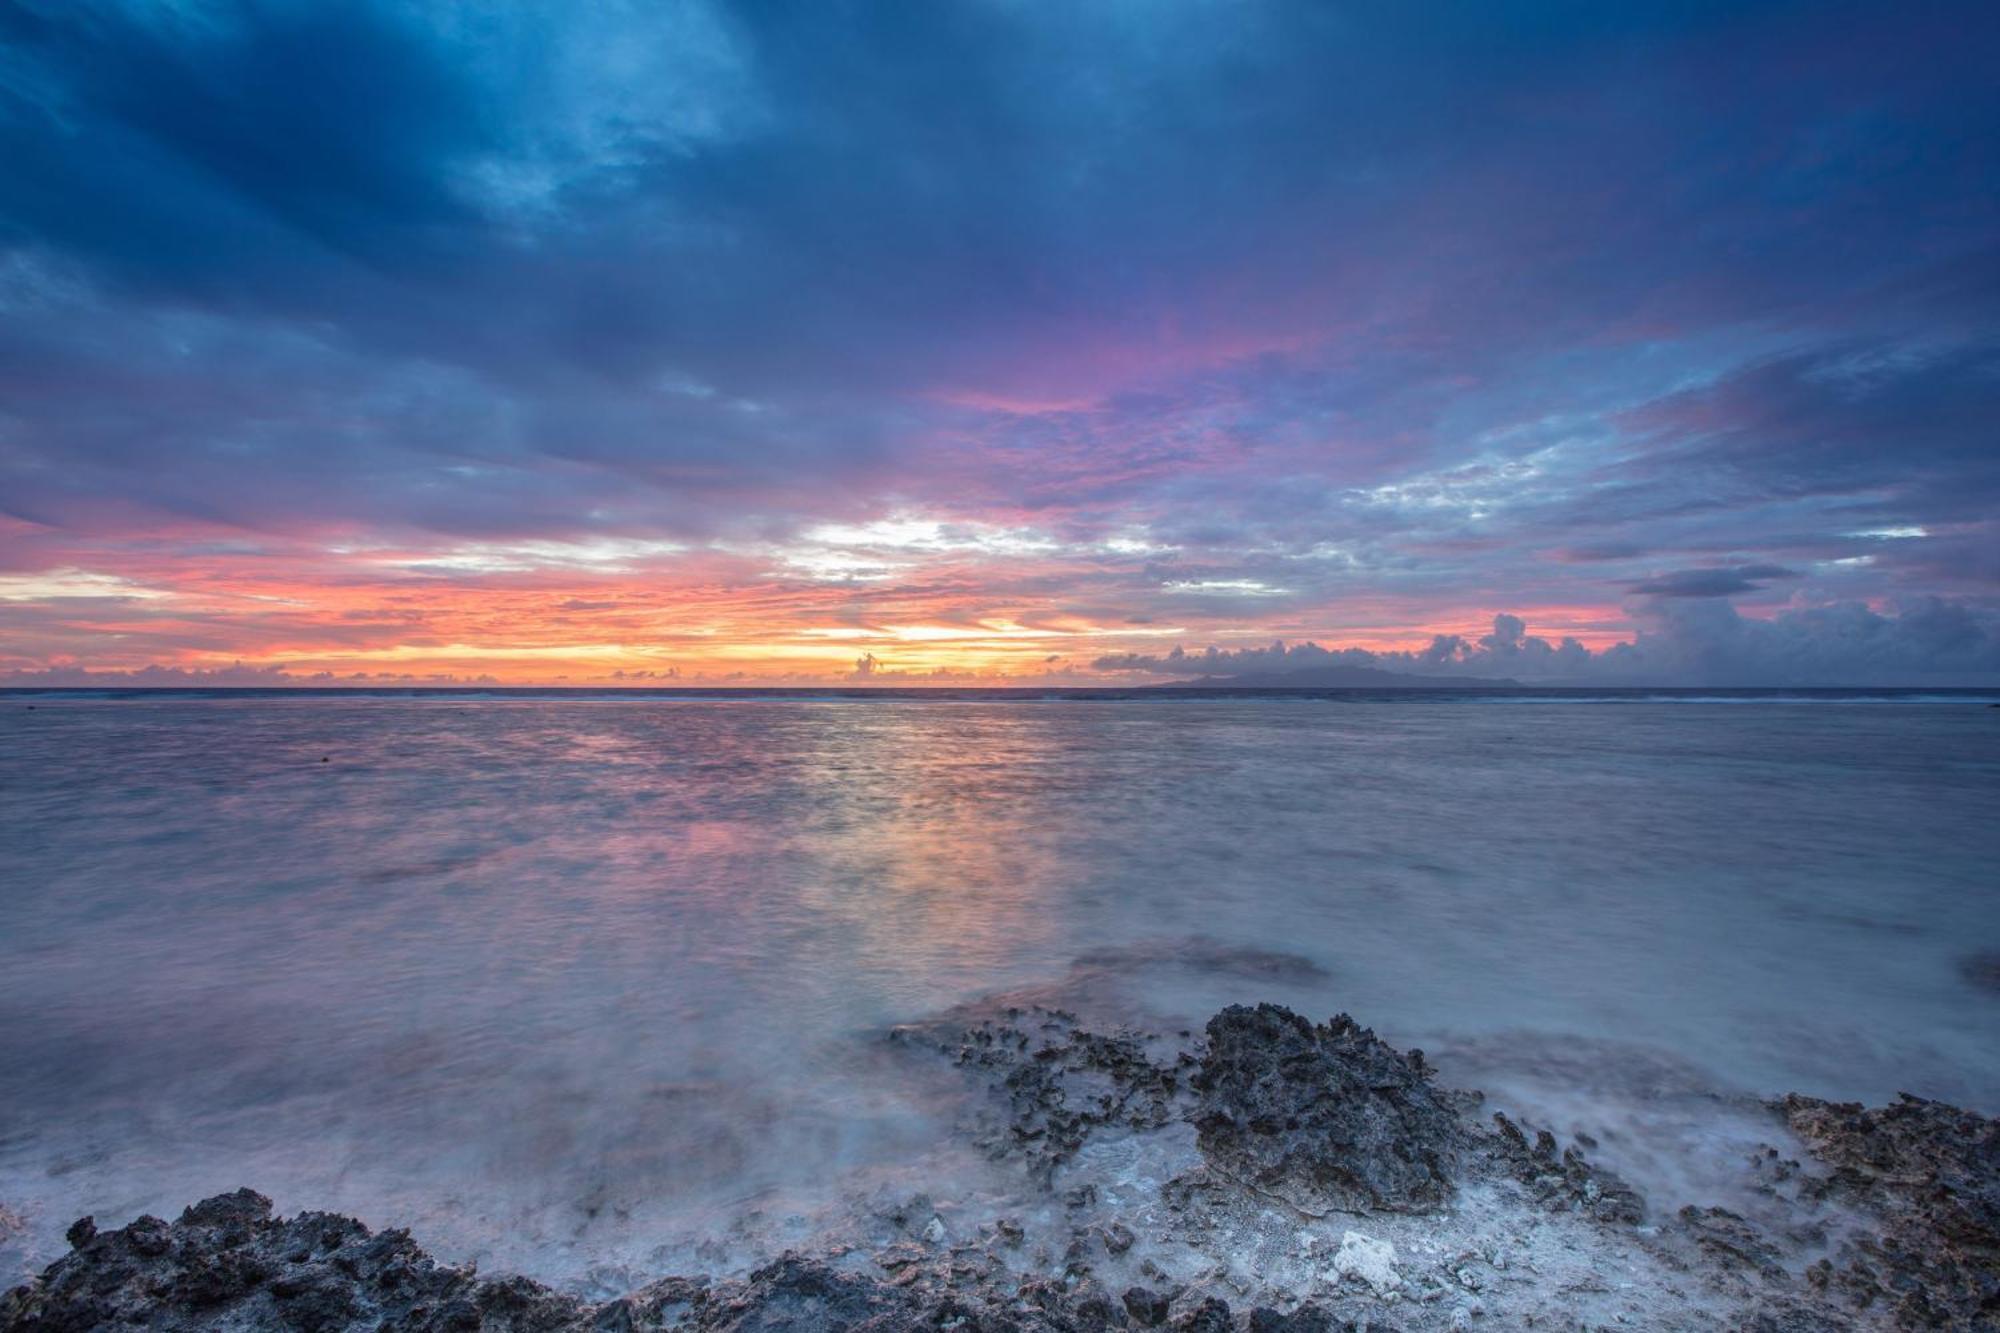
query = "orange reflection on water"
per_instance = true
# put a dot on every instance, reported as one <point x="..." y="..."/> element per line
<point x="931" y="855"/>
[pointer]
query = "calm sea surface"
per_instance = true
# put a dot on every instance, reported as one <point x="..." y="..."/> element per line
<point x="542" y="977"/>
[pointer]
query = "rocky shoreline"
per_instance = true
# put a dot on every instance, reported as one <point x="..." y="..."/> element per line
<point x="1267" y="1174"/>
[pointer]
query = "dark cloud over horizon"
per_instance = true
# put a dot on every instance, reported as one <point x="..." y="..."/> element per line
<point x="1927" y="643"/>
<point x="1726" y="581"/>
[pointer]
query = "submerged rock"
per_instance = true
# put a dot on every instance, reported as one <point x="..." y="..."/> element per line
<point x="1731" y="1242"/>
<point x="1560" y="1178"/>
<point x="1052" y="1083"/>
<point x="1327" y="1117"/>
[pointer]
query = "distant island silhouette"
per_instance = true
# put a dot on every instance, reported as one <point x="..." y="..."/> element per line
<point x="1342" y="677"/>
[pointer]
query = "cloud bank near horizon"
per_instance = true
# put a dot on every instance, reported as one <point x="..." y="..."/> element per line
<point x="1931" y="642"/>
<point x="752" y="339"/>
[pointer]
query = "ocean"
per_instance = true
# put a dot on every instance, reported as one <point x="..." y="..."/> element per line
<point x="579" y="984"/>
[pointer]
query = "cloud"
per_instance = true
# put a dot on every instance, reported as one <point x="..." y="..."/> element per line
<point x="1726" y="581"/>
<point x="1601" y="551"/>
<point x="1682" y="643"/>
<point x="1884" y="422"/>
<point x="236" y="676"/>
<point x="1213" y="661"/>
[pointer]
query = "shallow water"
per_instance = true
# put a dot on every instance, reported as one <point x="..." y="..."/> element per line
<point x="547" y="979"/>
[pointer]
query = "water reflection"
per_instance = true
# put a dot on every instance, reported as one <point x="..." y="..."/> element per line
<point x="929" y="853"/>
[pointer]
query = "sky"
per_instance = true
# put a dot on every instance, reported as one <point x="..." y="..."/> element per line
<point x="986" y="340"/>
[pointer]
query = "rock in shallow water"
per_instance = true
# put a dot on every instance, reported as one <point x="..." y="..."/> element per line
<point x="1324" y="1117"/>
<point x="228" y="1264"/>
<point x="1931" y="1173"/>
<point x="1560" y="1178"/>
<point x="1054" y="1083"/>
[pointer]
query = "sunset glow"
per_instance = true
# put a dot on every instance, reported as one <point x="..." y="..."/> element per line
<point x="428" y="349"/>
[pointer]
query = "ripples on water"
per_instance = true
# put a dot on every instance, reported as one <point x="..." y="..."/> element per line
<point x="546" y="978"/>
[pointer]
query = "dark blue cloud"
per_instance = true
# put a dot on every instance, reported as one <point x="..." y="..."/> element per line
<point x="1703" y="642"/>
<point x="1726" y="581"/>
<point x="231" y="152"/>
<point x="1881" y="422"/>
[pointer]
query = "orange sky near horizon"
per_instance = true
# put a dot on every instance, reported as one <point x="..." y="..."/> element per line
<point x="534" y="613"/>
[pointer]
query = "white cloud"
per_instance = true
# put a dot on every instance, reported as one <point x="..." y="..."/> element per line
<point x="54" y="584"/>
<point x="1226" y="587"/>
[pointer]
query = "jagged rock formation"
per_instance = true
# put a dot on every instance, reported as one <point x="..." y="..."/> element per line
<point x="1931" y="1172"/>
<point x="228" y="1264"/>
<point x="1324" y="1117"/>
<point x="1561" y="1177"/>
